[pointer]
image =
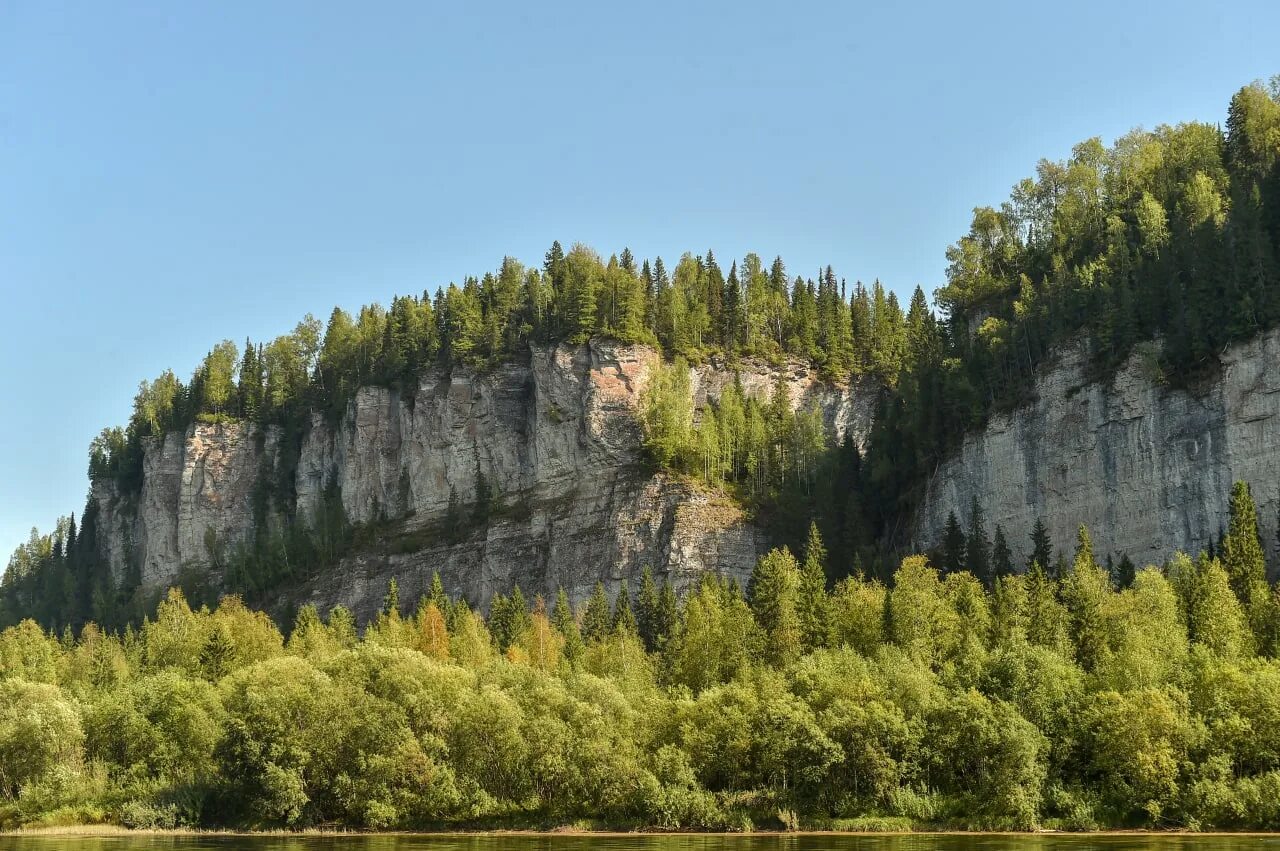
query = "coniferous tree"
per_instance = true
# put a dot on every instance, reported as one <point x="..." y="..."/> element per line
<point x="978" y="547"/>
<point x="563" y="620"/>
<point x="1125" y="572"/>
<point x="438" y="596"/>
<point x="774" y="596"/>
<point x="519" y="613"/>
<point x="1242" y="555"/>
<point x="597" y="617"/>
<point x="1046" y="618"/>
<point x="647" y="610"/>
<point x="1001" y="557"/>
<point x="1084" y="591"/>
<point x="954" y="546"/>
<point x="453" y="518"/>
<point x="1041" y="546"/>
<point x="667" y="621"/>
<point x="502" y="622"/>
<point x="483" y="505"/>
<point x="624" y="618"/>
<point x="815" y="618"/>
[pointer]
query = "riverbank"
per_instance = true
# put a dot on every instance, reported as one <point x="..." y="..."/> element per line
<point x="110" y="830"/>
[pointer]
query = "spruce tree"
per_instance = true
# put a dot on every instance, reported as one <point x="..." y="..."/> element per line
<point x="597" y="616"/>
<point x="1041" y="546"/>
<point x="483" y="505"/>
<point x="501" y="622"/>
<point x="438" y="596"/>
<point x="624" y="618"/>
<point x="1242" y="555"/>
<point x="1085" y="590"/>
<point x="815" y="619"/>
<point x="667" y="620"/>
<point x="978" y="549"/>
<point x="217" y="654"/>
<point x="391" y="602"/>
<point x="647" y="610"/>
<point x="453" y="519"/>
<point x="563" y="620"/>
<point x="774" y="594"/>
<point x="1046" y="618"/>
<point x="953" y="546"/>
<point x="1125" y="572"/>
<point x="1001" y="558"/>
<point x="520" y="617"/>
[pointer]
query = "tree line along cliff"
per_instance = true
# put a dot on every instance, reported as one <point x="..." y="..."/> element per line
<point x="1023" y="701"/>
<point x="1168" y="235"/>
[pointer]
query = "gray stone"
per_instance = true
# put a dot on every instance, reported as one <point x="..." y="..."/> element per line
<point x="556" y="439"/>
<point x="1147" y="468"/>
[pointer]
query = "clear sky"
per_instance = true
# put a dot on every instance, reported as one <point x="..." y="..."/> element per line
<point x="173" y="174"/>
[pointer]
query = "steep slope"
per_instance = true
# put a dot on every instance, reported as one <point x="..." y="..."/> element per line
<point x="1147" y="468"/>
<point x="555" y="439"/>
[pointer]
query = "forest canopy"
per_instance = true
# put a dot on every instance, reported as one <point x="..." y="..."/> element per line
<point x="1002" y="700"/>
<point x="1168" y="237"/>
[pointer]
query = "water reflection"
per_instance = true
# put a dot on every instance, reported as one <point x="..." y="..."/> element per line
<point x="916" y="842"/>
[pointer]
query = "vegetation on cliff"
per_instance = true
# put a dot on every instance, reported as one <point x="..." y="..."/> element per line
<point x="1020" y="701"/>
<point x="1171" y="234"/>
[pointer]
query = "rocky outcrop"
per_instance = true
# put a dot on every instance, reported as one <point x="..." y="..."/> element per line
<point x="555" y="440"/>
<point x="1147" y="468"/>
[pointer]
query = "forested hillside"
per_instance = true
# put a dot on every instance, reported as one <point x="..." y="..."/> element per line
<point x="1026" y="701"/>
<point x="1169" y="235"/>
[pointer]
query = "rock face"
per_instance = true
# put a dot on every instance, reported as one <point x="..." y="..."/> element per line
<point x="1146" y="468"/>
<point x="555" y="440"/>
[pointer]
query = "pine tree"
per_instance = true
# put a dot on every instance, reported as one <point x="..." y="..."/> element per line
<point x="731" y="332"/>
<point x="953" y="546"/>
<point x="1242" y="548"/>
<point x="815" y="617"/>
<point x="624" y="619"/>
<point x="563" y="620"/>
<point x="217" y="654"/>
<point x="1001" y="558"/>
<point x="1041" y="547"/>
<point x="483" y="506"/>
<point x="978" y="549"/>
<point x="453" y="520"/>
<point x="647" y="610"/>
<point x="501" y="622"/>
<point x="1046" y="618"/>
<point x="438" y="596"/>
<point x="667" y="620"/>
<point x="391" y="602"/>
<point x="596" y="618"/>
<point x="774" y="596"/>
<point x="519" y="609"/>
<point x="1084" y="591"/>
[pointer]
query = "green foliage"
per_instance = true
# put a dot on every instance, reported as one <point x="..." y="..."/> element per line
<point x="927" y="701"/>
<point x="967" y="697"/>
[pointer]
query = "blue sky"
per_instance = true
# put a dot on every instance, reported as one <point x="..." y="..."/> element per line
<point x="175" y="174"/>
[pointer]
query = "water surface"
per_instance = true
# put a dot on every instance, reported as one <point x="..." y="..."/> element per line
<point x="914" y="842"/>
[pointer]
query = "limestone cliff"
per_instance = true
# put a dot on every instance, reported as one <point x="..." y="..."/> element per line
<point x="555" y="438"/>
<point x="1147" y="468"/>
